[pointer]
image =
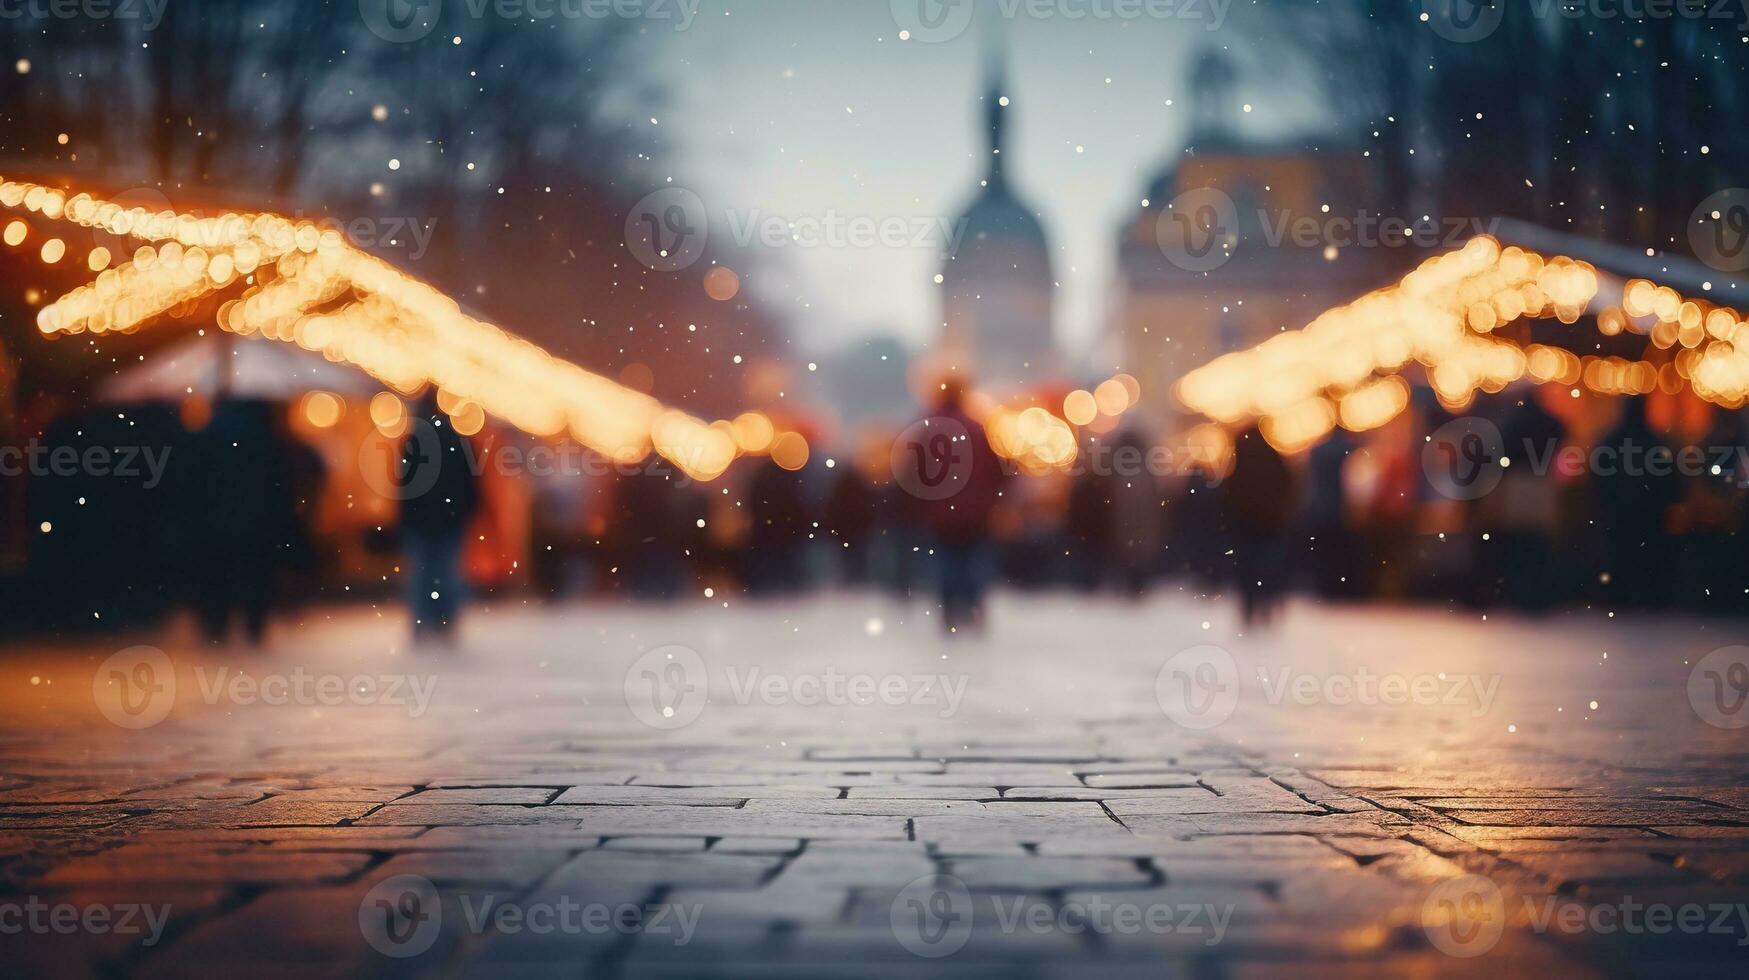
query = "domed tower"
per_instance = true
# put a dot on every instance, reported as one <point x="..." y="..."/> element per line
<point x="1173" y="315"/>
<point x="997" y="291"/>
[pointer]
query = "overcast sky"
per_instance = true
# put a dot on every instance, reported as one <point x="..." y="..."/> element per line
<point x="818" y="109"/>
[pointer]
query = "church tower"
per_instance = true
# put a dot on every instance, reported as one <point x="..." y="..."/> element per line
<point x="997" y="291"/>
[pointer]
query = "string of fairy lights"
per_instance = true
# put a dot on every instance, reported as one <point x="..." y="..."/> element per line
<point x="1445" y="316"/>
<point x="305" y="285"/>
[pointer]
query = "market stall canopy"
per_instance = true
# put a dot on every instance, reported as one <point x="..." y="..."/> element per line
<point x="248" y="367"/>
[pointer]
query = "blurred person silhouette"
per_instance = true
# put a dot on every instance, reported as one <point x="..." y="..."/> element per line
<point x="1634" y="495"/>
<point x="649" y="532"/>
<point x="440" y="496"/>
<point x="954" y="446"/>
<point x="1710" y="504"/>
<point x="1523" y="514"/>
<point x="1138" y="510"/>
<point x="238" y="485"/>
<point x="850" y="522"/>
<point x="1257" y="502"/>
<point x="1325" y="516"/>
<point x="779" y="529"/>
<point x="1089" y="520"/>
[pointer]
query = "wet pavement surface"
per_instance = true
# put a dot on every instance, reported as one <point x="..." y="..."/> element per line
<point x="830" y="785"/>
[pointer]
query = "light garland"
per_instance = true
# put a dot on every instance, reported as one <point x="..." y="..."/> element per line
<point x="308" y="286"/>
<point x="1342" y="368"/>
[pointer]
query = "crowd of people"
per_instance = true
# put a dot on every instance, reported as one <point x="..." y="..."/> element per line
<point x="230" y="533"/>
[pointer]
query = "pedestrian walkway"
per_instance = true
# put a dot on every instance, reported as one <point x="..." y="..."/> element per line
<point x="726" y="788"/>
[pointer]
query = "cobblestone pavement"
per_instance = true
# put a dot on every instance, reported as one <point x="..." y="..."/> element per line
<point x="828" y="785"/>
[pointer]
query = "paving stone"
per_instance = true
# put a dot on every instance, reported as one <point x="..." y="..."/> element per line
<point x="1322" y="831"/>
<point x="514" y="870"/>
<point x="614" y="821"/>
<point x="510" y="795"/>
<point x="247" y="865"/>
<point x="757" y="845"/>
<point x="442" y="815"/>
<point x="655" y="843"/>
<point x="1043" y="873"/>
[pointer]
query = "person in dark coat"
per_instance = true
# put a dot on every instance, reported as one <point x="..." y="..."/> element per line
<point x="242" y="526"/>
<point x="1257" y="501"/>
<point x="954" y="445"/>
<point x="440" y="496"/>
<point x="1633" y="495"/>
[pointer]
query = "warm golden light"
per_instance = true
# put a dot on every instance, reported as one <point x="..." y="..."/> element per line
<point x="1080" y="408"/>
<point x="306" y="285"/>
<point x="323" y="409"/>
<point x="790" y="451"/>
